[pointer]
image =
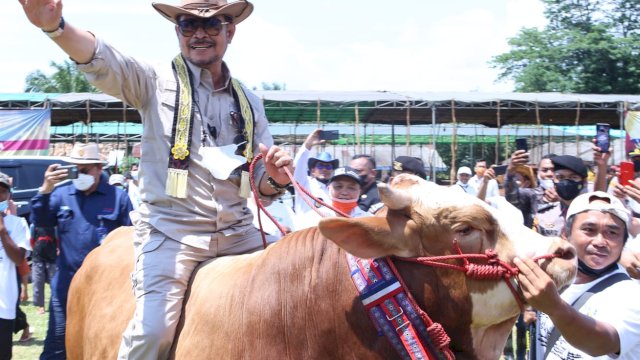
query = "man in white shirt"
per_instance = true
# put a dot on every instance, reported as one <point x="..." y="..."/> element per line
<point x="598" y="316"/>
<point x="463" y="175"/>
<point x="312" y="173"/>
<point x="479" y="177"/>
<point x="14" y="243"/>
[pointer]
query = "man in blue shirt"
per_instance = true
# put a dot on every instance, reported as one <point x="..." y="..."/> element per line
<point x="84" y="210"/>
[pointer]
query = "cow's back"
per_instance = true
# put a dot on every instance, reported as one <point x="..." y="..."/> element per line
<point x="101" y="300"/>
<point x="294" y="300"/>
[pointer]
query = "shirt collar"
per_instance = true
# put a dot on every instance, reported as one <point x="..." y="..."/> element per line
<point x="198" y="76"/>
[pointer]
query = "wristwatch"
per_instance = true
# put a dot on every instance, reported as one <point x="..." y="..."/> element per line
<point x="57" y="32"/>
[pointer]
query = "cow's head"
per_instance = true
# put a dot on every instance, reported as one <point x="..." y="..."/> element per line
<point x="423" y="219"/>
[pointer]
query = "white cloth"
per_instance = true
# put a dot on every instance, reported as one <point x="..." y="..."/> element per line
<point x="617" y="305"/>
<point x="492" y="186"/>
<point x="281" y="212"/>
<point x="315" y="187"/>
<point x="19" y="233"/>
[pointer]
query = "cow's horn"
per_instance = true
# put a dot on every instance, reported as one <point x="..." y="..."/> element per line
<point x="394" y="199"/>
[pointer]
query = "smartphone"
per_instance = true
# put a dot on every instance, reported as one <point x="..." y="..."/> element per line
<point x="626" y="173"/>
<point x="521" y="144"/>
<point x="329" y="135"/>
<point x="500" y="169"/>
<point x="602" y="137"/>
<point x="72" y="171"/>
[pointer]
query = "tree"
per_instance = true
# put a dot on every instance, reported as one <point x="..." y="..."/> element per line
<point x="66" y="79"/>
<point x="588" y="46"/>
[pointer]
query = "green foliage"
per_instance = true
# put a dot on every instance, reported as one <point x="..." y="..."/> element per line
<point x="66" y="79"/>
<point x="274" y="86"/>
<point x="589" y="46"/>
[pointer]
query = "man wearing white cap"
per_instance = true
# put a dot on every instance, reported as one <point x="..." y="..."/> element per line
<point x="201" y="129"/>
<point x="463" y="176"/>
<point x="599" y="314"/>
<point x="83" y="211"/>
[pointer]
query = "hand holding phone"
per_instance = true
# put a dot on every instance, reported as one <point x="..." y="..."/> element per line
<point x="626" y="173"/>
<point x="72" y="171"/>
<point x="602" y="137"/>
<point x="521" y="144"/>
<point x="500" y="169"/>
<point x="329" y="135"/>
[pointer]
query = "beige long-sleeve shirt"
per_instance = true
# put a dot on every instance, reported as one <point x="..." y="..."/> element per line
<point x="212" y="205"/>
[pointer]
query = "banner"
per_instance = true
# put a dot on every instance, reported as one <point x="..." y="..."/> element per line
<point x="632" y="126"/>
<point x="24" y="132"/>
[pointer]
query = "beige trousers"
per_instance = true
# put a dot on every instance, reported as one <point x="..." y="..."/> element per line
<point x="161" y="274"/>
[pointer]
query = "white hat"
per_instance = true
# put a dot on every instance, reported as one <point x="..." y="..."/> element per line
<point x="117" y="179"/>
<point x="586" y="202"/>
<point x="88" y="153"/>
<point x="464" y="170"/>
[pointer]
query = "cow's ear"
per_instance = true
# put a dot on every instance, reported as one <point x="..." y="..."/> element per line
<point x="367" y="237"/>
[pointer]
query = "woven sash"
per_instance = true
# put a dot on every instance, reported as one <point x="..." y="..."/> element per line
<point x="179" y="155"/>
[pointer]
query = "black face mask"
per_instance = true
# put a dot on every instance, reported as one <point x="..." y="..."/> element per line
<point x="596" y="273"/>
<point x="364" y="179"/>
<point x="636" y="165"/>
<point x="568" y="189"/>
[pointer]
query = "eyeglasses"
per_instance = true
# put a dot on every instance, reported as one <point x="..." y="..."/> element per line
<point x="211" y="26"/>
<point x="321" y="166"/>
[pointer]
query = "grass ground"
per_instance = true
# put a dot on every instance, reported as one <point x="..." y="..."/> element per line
<point x="38" y="322"/>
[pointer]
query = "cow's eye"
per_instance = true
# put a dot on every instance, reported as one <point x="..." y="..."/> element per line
<point x="465" y="230"/>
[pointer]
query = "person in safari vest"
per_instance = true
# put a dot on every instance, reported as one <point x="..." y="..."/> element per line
<point x="201" y="128"/>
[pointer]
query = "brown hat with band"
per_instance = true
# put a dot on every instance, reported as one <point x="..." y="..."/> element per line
<point x="237" y="10"/>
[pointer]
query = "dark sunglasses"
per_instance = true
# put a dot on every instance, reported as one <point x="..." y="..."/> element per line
<point x="322" y="166"/>
<point x="211" y="26"/>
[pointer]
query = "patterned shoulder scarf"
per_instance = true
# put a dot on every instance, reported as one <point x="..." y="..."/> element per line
<point x="181" y="133"/>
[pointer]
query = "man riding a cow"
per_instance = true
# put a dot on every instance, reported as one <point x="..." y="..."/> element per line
<point x="209" y="125"/>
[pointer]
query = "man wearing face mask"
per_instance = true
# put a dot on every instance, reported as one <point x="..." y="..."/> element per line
<point x="570" y="178"/>
<point x="84" y="211"/>
<point x="365" y="166"/>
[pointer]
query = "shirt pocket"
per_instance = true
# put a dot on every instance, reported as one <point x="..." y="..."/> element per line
<point x="65" y="220"/>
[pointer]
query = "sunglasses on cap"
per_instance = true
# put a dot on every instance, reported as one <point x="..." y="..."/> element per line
<point x="212" y="26"/>
<point x="324" y="166"/>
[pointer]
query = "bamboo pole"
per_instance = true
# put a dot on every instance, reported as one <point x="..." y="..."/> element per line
<point x="318" y="113"/>
<point x="540" y="130"/>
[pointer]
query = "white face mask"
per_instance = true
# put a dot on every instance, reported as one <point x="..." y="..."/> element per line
<point x="546" y="183"/>
<point x="4" y="205"/>
<point x="83" y="182"/>
<point x="134" y="175"/>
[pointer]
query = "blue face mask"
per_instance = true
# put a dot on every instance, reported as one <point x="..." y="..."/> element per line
<point x="4" y="205"/>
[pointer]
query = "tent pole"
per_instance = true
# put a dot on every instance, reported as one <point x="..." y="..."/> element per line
<point x="318" y="113"/>
<point x="577" y="132"/>
<point x="540" y="131"/>
<point x="357" y="131"/>
<point x="408" y="132"/>
<point x="498" y="123"/>
<point x="433" y="142"/>
<point x="622" y="108"/>
<point x="88" y="122"/>
<point x="454" y="142"/>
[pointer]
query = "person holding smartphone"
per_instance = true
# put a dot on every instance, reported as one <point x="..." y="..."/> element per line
<point x="83" y="211"/>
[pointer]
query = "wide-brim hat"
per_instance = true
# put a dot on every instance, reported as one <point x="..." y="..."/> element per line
<point x="527" y="172"/>
<point x="322" y="157"/>
<point x="5" y="180"/>
<point x="88" y="153"/>
<point x="237" y="10"/>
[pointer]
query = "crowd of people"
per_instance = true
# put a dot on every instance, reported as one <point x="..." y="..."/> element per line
<point x="188" y="199"/>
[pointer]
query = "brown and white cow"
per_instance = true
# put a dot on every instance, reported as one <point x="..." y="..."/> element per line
<point x="296" y="300"/>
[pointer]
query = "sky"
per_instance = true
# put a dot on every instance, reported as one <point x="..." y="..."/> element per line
<point x="327" y="45"/>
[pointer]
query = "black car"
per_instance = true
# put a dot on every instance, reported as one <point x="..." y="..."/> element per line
<point x="27" y="173"/>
